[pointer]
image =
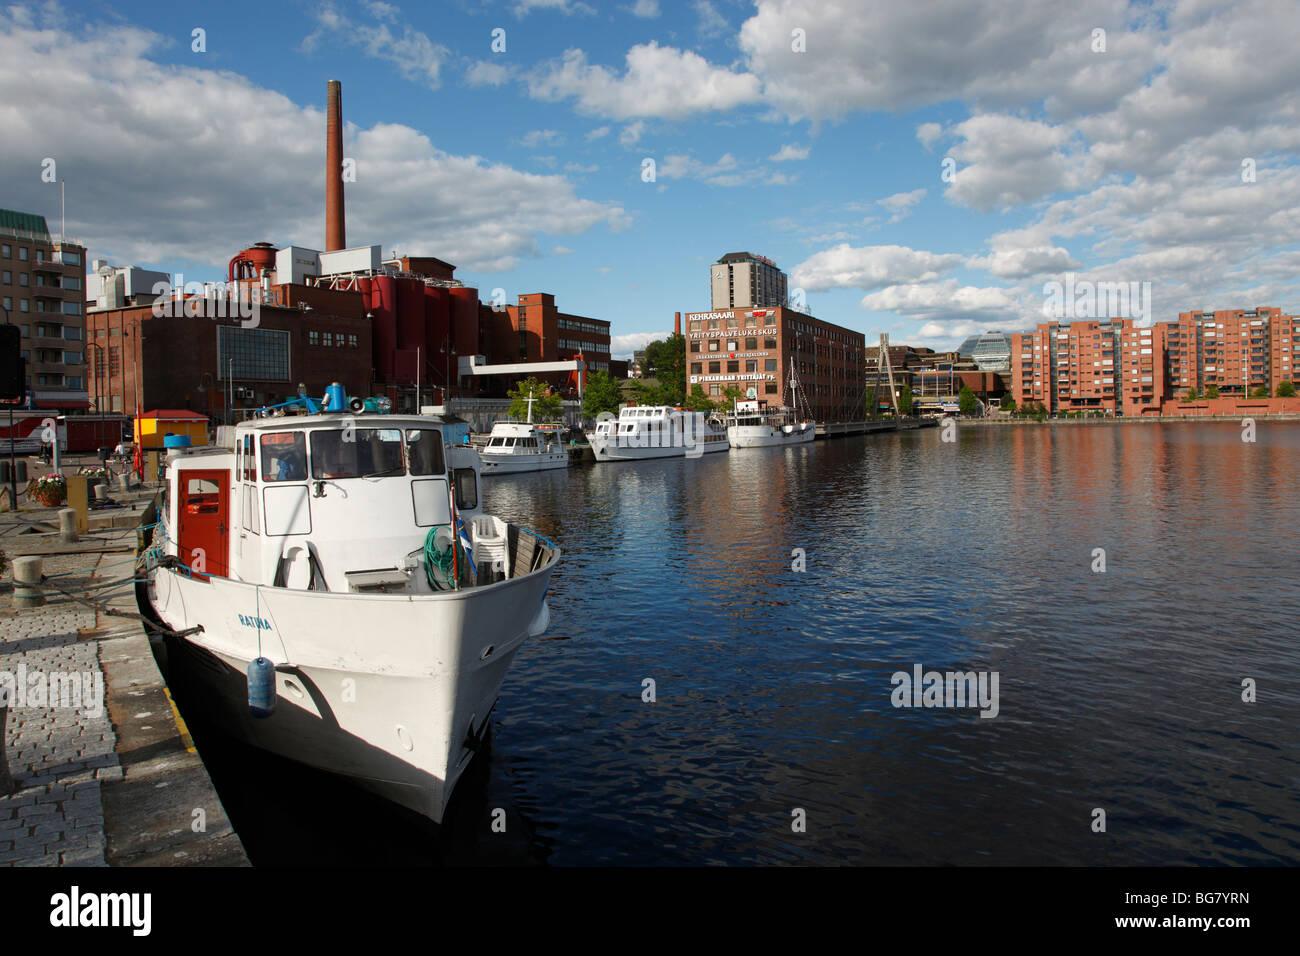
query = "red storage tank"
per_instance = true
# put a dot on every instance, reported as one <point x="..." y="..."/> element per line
<point x="381" y="301"/>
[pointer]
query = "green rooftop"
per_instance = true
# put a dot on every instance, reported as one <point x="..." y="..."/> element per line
<point x="23" y="221"/>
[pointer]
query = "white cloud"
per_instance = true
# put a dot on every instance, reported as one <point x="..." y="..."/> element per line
<point x="416" y="56"/>
<point x="561" y="251"/>
<point x="659" y="81"/>
<point x="145" y="134"/>
<point x="646" y="9"/>
<point x="622" y="346"/>
<point x="936" y="300"/>
<point x="929" y="134"/>
<point x="709" y="22"/>
<point x="568" y="7"/>
<point x="1005" y="161"/>
<point x="538" y="137"/>
<point x="631" y="134"/>
<point x="790" y="151"/>
<point x="870" y="267"/>
<point x="725" y="171"/>
<point x="1024" y="262"/>
<point x="597" y="133"/>
<point x="487" y="73"/>
<point x="900" y="204"/>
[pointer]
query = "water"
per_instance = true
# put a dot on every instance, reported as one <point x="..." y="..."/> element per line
<point x="1118" y="690"/>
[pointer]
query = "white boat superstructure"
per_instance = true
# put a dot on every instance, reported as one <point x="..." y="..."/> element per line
<point x="351" y="553"/>
<point x="657" y="431"/>
<point x="522" y="446"/>
<point x="751" y="424"/>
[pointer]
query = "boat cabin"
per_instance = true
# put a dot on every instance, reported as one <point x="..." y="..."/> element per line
<point x="324" y="502"/>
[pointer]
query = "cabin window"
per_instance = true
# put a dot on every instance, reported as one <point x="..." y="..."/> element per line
<point x="202" y="486"/>
<point x="496" y="442"/>
<point x="424" y="451"/>
<point x="466" y="488"/>
<point x="356" y="453"/>
<point x="284" y="456"/>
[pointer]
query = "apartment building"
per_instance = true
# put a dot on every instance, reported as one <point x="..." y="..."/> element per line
<point x="741" y="280"/>
<point x="41" y="279"/>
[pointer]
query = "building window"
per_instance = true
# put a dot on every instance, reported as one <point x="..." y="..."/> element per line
<point x="732" y="345"/>
<point x="751" y="344"/>
<point x="769" y="365"/>
<point x="713" y="345"/>
<point x="697" y="368"/>
<point x="22" y="253"/>
<point x="257" y="354"/>
<point x="770" y="388"/>
<point x="22" y="278"/>
<point x="74" y="382"/>
<point x="114" y="362"/>
<point x="8" y="277"/>
<point x="6" y="252"/>
<point x="733" y="366"/>
<point x="22" y="305"/>
<point x="328" y="339"/>
<point x="751" y="365"/>
<point x="313" y="337"/>
<point x="352" y="340"/>
<point x="732" y="321"/>
<point x="338" y="341"/>
<point x="117" y="403"/>
<point x="695" y="346"/>
<point x="71" y="358"/>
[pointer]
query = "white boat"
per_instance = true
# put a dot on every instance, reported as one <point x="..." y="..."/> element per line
<point x="751" y="424"/>
<point x="323" y="544"/>
<point x="657" y="431"/>
<point x="522" y="446"/>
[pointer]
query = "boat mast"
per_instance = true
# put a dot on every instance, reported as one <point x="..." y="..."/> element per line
<point x="530" y="408"/>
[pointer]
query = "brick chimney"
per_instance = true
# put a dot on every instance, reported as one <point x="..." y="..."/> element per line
<point x="334" y="231"/>
<point x="677" y="323"/>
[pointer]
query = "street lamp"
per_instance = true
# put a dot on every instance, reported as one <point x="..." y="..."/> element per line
<point x="13" y="474"/>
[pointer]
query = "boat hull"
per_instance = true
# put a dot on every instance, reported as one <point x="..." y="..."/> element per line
<point x="514" y="464"/>
<point x="392" y="691"/>
<point x="764" y="436"/>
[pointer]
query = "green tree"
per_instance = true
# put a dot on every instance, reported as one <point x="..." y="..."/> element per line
<point x="967" y="404"/>
<point x="1040" y="411"/>
<point x="1259" y="391"/>
<point x="730" y="395"/>
<point x="602" y="395"/>
<point x="665" y="360"/>
<point x="1191" y="395"/>
<point x="1008" y="403"/>
<point x="546" y="407"/>
<point x="697" y="401"/>
<point x="1285" y="390"/>
<point x="905" y="400"/>
<point x="1212" y="391"/>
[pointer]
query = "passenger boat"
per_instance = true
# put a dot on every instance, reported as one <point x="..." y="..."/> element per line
<point x="752" y="424"/>
<point x="337" y="572"/>
<point x="656" y="431"/>
<point x="523" y="446"/>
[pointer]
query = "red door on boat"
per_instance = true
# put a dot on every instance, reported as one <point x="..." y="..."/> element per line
<point x="204" y="533"/>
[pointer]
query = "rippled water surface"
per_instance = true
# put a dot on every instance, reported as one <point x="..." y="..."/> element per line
<point x="1118" y="690"/>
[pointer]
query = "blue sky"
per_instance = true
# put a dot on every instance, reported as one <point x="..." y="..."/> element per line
<point x="1119" y="160"/>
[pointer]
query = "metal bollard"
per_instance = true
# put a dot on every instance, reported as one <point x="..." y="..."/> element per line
<point x="27" y="572"/>
<point x="124" y="482"/>
<point x="68" y="524"/>
<point x="101" y="491"/>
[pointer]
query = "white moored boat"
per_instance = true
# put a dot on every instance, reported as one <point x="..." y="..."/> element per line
<point x="753" y="425"/>
<point x="522" y="446"/>
<point x="657" y="431"/>
<point x="322" y="544"/>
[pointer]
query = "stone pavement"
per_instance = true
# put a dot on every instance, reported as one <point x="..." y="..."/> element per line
<point x="106" y="773"/>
